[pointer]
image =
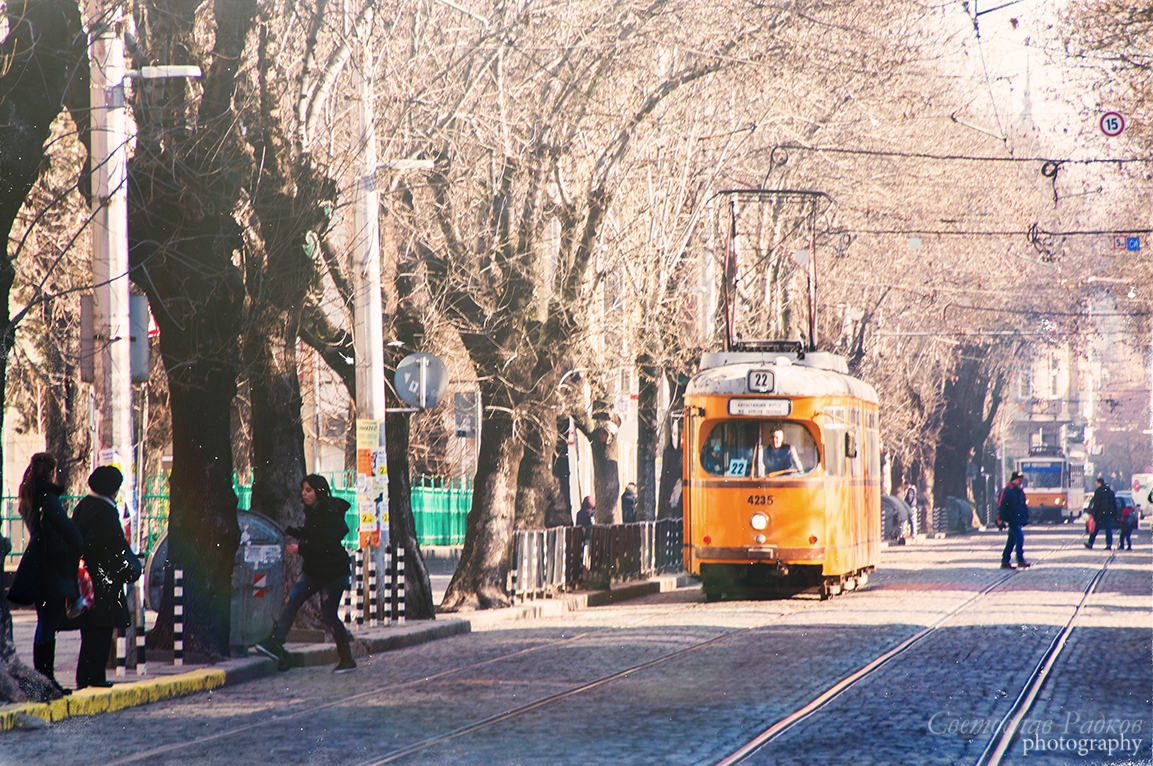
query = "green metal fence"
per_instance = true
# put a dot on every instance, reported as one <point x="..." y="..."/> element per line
<point x="439" y="508"/>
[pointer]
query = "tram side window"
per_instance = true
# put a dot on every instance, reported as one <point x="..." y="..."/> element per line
<point x="759" y="449"/>
<point x="834" y="429"/>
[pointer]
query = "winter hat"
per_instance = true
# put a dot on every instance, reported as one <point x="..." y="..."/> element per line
<point x="106" y="480"/>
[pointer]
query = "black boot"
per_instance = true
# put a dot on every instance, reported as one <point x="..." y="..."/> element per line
<point x="44" y="660"/>
<point x="344" y="651"/>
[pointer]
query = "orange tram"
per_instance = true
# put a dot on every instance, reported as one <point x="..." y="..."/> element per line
<point x="782" y="475"/>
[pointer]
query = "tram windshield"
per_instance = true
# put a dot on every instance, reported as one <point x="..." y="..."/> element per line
<point x="759" y="449"/>
<point x="1042" y="475"/>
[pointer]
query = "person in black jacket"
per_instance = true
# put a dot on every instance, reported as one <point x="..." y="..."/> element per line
<point x="106" y="553"/>
<point x="325" y="571"/>
<point x="53" y="554"/>
<point x="629" y="504"/>
<point x="1103" y="508"/>
<point x="1013" y="511"/>
<point x="584" y="517"/>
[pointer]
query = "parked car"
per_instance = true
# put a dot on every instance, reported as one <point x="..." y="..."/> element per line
<point x="1124" y="500"/>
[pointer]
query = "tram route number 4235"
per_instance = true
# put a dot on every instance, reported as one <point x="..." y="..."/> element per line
<point x="760" y="499"/>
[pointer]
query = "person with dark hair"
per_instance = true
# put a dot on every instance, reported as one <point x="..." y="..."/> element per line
<point x="325" y="571"/>
<point x="1103" y="508"/>
<point x="1013" y="511"/>
<point x="629" y="504"/>
<point x="108" y="558"/>
<point x="584" y="517"/>
<point x="46" y="575"/>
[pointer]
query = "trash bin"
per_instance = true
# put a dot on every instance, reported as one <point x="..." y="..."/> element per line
<point x="257" y="578"/>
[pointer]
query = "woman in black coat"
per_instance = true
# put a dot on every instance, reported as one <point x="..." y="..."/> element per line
<point x="325" y="570"/>
<point x="105" y="550"/>
<point x="47" y="573"/>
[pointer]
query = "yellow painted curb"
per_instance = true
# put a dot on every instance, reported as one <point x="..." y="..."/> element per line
<point x="93" y="701"/>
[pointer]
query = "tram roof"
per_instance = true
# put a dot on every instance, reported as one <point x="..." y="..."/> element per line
<point x="818" y="374"/>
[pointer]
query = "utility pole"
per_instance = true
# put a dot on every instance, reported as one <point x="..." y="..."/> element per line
<point x="368" y="336"/>
<point x="113" y="382"/>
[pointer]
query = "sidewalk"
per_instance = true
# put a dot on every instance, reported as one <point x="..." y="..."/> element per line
<point x="165" y="681"/>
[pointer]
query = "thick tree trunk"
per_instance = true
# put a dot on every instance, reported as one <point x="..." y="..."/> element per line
<point x="18" y="682"/>
<point x="537" y="487"/>
<point x="479" y="581"/>
<point x="672" y="458"/>
<point x="202" y="531"/>
<point x="559" y="512"/>
<point x="44" y="45"/>
<point x="65" y="409"/>
<point x="277" y="432"/>
<point x="606" y="477"/>
<point x="648" y="430"/>
<point x="418" y="604"/>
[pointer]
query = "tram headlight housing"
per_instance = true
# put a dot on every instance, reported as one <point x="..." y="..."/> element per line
<point x="759" y="521"/>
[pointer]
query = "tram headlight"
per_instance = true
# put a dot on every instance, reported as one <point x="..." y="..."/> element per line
<point x="759" y="521"/>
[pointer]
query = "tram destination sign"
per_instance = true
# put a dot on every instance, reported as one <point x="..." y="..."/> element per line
<point x="760" y="408"/>
<point x="761" y="381"/>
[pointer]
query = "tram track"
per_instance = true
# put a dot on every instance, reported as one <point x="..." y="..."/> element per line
<point x="998" y="745"/>
<point x="994" y="752"/>
<point x="401" y="751"/>
<point x="386" y="689"/>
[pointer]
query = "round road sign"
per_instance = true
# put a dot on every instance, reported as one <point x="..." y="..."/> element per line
<point x="421" y="380"/>
<point x="1112" y="123"/>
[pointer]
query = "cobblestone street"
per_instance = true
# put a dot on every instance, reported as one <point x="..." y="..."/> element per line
<point x="671" y="679"/>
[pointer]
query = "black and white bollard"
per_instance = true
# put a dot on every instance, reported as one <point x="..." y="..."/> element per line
<point x="359" y="588"/>
<point x="372" y="588"/>
<point x="178" y="617"/>
<point x="141" y="663"/>
<point x="398" y="557"/>
<point x="348" y="608"/>
<point x="121" y="653"/>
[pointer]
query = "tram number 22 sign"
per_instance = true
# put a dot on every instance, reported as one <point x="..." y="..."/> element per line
<point x="1112" y="124"/>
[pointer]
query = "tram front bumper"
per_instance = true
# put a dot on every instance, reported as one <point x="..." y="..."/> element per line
<point x="754" y="553"/>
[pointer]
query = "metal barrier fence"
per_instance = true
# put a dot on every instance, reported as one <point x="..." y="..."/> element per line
<point x="439" y="508"/>
<point x="550" y="561"/>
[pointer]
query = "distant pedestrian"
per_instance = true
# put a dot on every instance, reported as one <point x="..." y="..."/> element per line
<point x="325" y="570"/>
<point x="629" y="504"/>
<point x="46" y="575"/>
<point x="584" y="517"/>
<point x="911" y="495"/>
<point x="1129" y="518"/>
<point x="1103" y="509"/>
<point x="1013" y="511"/>
<point x="112" y="565"/>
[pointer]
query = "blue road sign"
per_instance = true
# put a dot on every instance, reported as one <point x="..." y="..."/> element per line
<point x="1132" y="243"/>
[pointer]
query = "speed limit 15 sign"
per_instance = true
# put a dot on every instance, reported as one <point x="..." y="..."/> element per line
<point x="1112" y="123"/>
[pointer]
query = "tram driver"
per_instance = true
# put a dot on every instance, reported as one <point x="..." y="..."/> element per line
<point x="778" y="457"/>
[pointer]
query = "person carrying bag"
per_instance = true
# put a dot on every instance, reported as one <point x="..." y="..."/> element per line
<point x="112" y="565"/>
<point x="46" y="575"/>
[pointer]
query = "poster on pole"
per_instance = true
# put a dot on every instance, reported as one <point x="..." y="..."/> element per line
<point x="367" y="490"/>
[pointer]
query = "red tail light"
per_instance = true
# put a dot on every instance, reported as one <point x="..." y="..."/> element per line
<point x="708" y="539"/>
<point x="812" y="539"/>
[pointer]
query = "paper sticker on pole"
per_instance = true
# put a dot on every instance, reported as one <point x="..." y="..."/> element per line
<point x="1112" y="124"/>
<point x="421" y="380"/>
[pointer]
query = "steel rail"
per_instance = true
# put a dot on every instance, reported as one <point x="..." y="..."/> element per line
<point x="994" y="752"/>
<point x="839" y="688"/>
<point x="392" y="687"/>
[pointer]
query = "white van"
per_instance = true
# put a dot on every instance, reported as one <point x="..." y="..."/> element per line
<point x="1142" y="485"/>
